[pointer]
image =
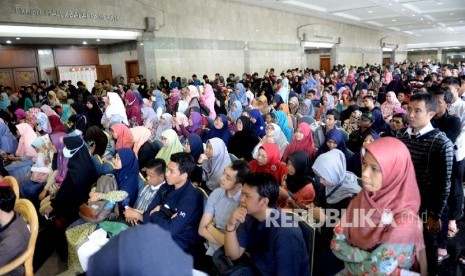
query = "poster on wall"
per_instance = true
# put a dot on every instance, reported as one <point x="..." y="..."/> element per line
<point x="87" y="74"/>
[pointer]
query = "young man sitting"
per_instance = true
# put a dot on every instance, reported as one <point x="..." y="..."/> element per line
<point x="255" y="226"/>
<point x="177" y="206"/>
<point x="331" y="120"/>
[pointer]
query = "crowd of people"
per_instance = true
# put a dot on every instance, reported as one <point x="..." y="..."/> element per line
<point x="221" y="157"/>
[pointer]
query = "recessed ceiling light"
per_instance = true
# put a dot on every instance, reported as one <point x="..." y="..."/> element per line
<point x="393" y="20"/>
<point x="98" y="39"/>
<point x="18" y="38"/>
<point x="439" y="3"/>
<point x="421" y="19"/>
<point x="413" y="15"/>
<point x="390" y="4"/>
<point x="8" y="42"/>
<point x="84" y="42"/>
<point x="141" y="44"/>
<point x="451" y="13"/>
<point x="403" y="10"/>
<point x="460" y="21"/>
<point x="370" y="11"/>
<point x="257" y="30"/>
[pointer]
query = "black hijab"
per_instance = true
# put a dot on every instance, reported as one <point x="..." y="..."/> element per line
<point x="303" y="171"/>
<point x="95" y="134"/>
<point x="94" y="114"/>
<point x="243" y="142"/>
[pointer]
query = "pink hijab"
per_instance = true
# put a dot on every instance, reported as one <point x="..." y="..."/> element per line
<point x="25" y="141"/>
<point x="140" y="135"/>
<point x="399" y="194"/>
<point x="208" y="99"/>
<point x="388" y="107"/>
<point x="124" y="136"/>
<point x="175" y="96"/>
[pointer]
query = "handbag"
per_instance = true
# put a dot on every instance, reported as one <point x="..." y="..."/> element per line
<point x="224" y="266"/>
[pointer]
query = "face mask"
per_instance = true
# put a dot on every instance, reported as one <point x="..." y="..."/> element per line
<point x="153" y="98"/>
<point x="70" y="153"/>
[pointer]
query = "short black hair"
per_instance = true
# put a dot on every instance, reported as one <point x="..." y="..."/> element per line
<point x="185" y="161"/>
<point x="403" y="116"/>
<point x="369" y="97"/>
<point x="158" y="165"/>
<point x="451" y="81"/>
<point x="333" y="112"/>
<point x="242" y="169"/>
<point x="80" y="83"/>
<point x="353" y="99"/>
<point x="7" y="199"/>
<point x="430" y="101"/>
<point x="265" y="185"/>
<point x="438" y="91"/>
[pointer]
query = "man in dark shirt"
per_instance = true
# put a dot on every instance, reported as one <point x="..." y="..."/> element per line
<point x="257" y="226"/>
<point x="178" y="205"/>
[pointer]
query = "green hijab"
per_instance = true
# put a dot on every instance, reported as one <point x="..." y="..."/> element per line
<point x="174" y="145"/>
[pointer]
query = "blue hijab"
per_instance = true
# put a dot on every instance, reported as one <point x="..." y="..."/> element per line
<point x="5" y="102"/>
<point x="8" y="142"/>
<point x="236" y="114"/>
<point x="337" y="136"/>
<point x="195" y="143"/>
<point x="241" y="97"/>
<point x="128" y="176"/>
<point x="259" y="126"/>
<point x="281" y="118"/>
<point x="223" y="133"/>
<point x="159" y="101"/>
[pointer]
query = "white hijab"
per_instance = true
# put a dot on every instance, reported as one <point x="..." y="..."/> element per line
<point x="116" y="107"/>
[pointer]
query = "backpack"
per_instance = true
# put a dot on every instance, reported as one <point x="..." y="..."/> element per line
<point x="98" y="211"/>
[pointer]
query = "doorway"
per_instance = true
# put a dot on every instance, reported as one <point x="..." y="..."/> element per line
<point x="325" y="64"/>
<point x="386" y="60"/>
<point x="104" y="73"/>
<point x="17" y="77"/>
<point x="132" y="69"/>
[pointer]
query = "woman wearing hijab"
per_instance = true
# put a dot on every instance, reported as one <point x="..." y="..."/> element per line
<point x="262" y="104"/>
<point x="123" y="136"/>
<point x="326" y="103"/>
<point x="208" y="99"/>
<point x="355" y="162"/>
<point x="303" y="141"/>
<point x="194" y="125"/>
<point x="149" y="117"/>
<point x="351" y="124"/>
<point x="25" y="153"/>
<point x="268" y="161"/>
<point x="25" y="101"/>
<point x="214" y="161"/>
<point x="388" y="107"/>
<point x="31" y="116"/>
<point x="93" y="111"/>
<point x="98" y="142"/>
<point x="175" y="96"/>
<point x="220" y="129"/>
<point x="115" y="110"/>
<point x="290" y="120"/>
<point x="238" y="95"/>
<point x="282" y="122"/>
<point x="127" y="176"/>
<point x="56" y="124"/>
<point x="192" y="97"/>
<point x="306" y="109"/>
<point x="8" y="142"/>
<point x="66" y="112"/>
<point x="4" y="102"/>
<point x="334" y="140"/>
<point x="158" y="102"/>
<point x="48" y="110"/>
<point x="79" y="119"/>
<point x="258" y="123"/>
<point x="133" y="110"/>
<point x="171" y="144"/>
<point x="338" y="188"/>
<point x="390" y="192"/>
<point x="194" y="147"/>
<point x="284" y="91"/>
<point x="277" y="101"/>
<point x="275" y="136"/>
<point x="140" y="135"/>
<point x="235" y="112"/>
<point x="164" y="124"/>
<point x="297" y="184"/>
<point x="244" y="140"/>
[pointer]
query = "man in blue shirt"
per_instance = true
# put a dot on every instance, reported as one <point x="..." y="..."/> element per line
<point x="275" y="247"/>
<point x="178" y="205"/>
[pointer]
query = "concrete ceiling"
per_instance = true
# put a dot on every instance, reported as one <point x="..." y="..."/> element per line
<point x="426" y="23"/>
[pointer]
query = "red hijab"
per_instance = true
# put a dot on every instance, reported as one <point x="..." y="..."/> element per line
<point x="306" y="144"/>
<point x="273" y="166"/>
<point x="56" y="124"/>
<point x="399" y="194"/>
<point x="124" y="136"/>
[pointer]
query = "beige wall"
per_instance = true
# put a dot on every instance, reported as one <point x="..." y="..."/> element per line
<point x="220" y="36"/>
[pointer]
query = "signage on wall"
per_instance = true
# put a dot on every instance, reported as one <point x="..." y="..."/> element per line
<point x="83" y="15"/>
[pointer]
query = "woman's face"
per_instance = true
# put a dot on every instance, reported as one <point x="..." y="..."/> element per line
<point x="269" y="130"/>
<point x="290" y="168"/>
<point x="162" y="120"/>
<point x="164" y="141"/>
<point x="89" y="105"/>
<point x="299" y="135"/>
<point x="209" y="150"/>
<point x="114" y="135"/>
<point x="267" y="119"/>
<point x="372" y="177"/>
<point x="234" y="107"/>
<point x="190" y="122"/>
<point x="239" y="125"/>
<point x="187" y="146"/>
<point x="331" y="144"/>
<point x="218" y="123"/>
<point x="262" y="157"/>
<point x="118" y="164"/>
<point x="388" y="98"/>
<point x="368" y="140"/>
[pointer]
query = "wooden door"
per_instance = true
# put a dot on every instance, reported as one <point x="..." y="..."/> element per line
<point x="386" y="60"/>
<point x="6" y="78"/>
<point x="325" y="64"/>
<point x="25" y="76"/>
<point x="132" y="69"/>
<point x="104" y="73"/>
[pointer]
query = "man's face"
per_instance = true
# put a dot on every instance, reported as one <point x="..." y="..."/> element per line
<point x="228" y="180"/>
<point x="442" y="105"/>
<point x="330" y="121"/>
<point x="446" y="72"/>
<point x="396" y="124"/>
<point x="418" y="115"/>
<point x="173" y="175"/>
<point x="400" y="97"/>
<point x="133" y="86"/>
<point x="153" y="178"/>
<point x="251" y="200"/>
<point x="368" y="103"/>
<point x="452" y="88"/>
